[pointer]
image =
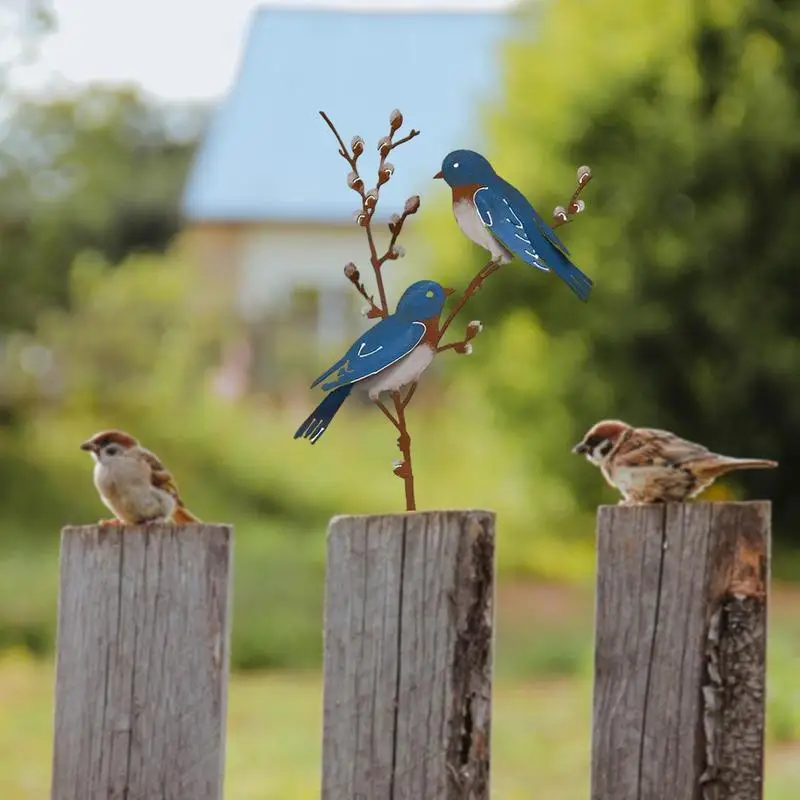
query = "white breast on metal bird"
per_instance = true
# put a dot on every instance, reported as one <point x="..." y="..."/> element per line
<point x="473" y="228"/>
<point x="405" y="371"/>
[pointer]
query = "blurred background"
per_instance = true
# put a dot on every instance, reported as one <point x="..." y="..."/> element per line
<point x="174" y="220"/>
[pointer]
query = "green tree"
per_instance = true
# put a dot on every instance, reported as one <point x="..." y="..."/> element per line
<point x="688" y="113"/>
<point x="101" y="170"/>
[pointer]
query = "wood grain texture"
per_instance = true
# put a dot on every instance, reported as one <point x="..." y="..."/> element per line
<point x="142" y="664"/>
<point x="408" y="645"/>
<point x="680" y="651"/>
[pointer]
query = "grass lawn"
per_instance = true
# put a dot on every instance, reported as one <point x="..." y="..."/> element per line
<point x="541" y="738"/>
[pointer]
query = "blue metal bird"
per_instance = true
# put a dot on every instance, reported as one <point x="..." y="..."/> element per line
<point x="496" y="216"/>
<point x="391" y="354"/>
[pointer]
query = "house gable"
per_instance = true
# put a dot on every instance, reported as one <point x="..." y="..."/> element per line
<point x="269" y="156"/>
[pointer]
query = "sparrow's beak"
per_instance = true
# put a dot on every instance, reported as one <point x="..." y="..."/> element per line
<point x="438" y="175"/>
<point x="448" y="292"/>
<point x="580" y="449"/>
<point x="88" y="446"/>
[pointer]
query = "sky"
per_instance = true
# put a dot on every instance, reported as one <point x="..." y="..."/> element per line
<point x="174" y="49"/>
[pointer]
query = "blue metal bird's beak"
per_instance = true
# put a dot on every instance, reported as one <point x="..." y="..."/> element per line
<point x="448" y="292"/>
<point x="438" y="175"/>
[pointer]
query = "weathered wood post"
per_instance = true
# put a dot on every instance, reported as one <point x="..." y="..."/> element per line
<point x="680" y="651"/>
<point x="141" y="683"/>
<point x="408" y="648"/>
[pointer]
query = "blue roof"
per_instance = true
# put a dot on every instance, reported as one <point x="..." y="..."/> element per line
<point x="269" y="155"/>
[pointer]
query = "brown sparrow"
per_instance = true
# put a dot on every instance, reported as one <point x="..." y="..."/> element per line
<point x="648" y="465"/>
<point x="133" y="483"/>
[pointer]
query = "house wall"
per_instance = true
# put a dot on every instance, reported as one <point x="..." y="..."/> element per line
<point x="264" y="264"/>
<point x="281" y="265"/>
<point x="213" y="247"/>
<point x="275" y="256"/>
<point x="286" y="282"/>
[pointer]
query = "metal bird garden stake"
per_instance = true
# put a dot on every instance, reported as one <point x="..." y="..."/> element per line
<point x="391" y="356"/>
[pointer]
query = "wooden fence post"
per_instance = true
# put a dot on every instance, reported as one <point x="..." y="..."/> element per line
<point x="142" y="672"/>
<point x="680" y="651"/>
<point x="408" y="646"/>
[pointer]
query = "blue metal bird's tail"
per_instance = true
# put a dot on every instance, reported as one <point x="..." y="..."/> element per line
<point x="579" y="282"/>
<point x="319" y="419"/>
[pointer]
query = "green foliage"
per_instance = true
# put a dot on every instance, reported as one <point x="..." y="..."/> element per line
<point x="689" y="124"/>
<point x="783" y="700"/>
<point x="138" y="349"/>
<point x="550" y="654"/>
<point x="102" y="170"/>
<point x="688" y="114"/>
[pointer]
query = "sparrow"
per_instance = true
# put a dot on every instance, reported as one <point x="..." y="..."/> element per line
<point x="648" y="465"/>
<point x="496" y="216"/>
<point x="133" y="483"/>
<point x="390" y="355"/>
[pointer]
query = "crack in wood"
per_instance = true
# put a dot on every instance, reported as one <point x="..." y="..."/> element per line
<point x="139" y="688"/>
<point x="393" y="774"/>
<point x="469" y="756"/>
<point x="712" y="689"/>
<point x="679" y="693"/>
<point x="653" y="639"/>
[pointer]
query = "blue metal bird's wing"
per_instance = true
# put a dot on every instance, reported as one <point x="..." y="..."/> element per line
<point x="503" y="221"/>
<point x="379" y="348"/>
<point x="511" y="219"/>
<point x="521" y="206"/>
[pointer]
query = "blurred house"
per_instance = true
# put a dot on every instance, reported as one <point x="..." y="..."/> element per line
<point x="267" y="213"/>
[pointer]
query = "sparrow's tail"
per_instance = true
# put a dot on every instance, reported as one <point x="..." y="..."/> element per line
<point x="182" y="516"/>
<point x="319" y="419"/>
<point x="579" y="282"/>
<point x="718" y="465"/>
